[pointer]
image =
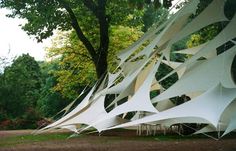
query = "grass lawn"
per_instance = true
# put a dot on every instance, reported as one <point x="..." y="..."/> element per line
<point x="113" y="140"/>
<point x="29" y="138"/>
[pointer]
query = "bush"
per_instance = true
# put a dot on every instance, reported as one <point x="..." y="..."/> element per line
<point x="43" y="122"/>
<point x="3" y="116"/>
<point x="28" y="121"/>
<point x="6" y="124"/>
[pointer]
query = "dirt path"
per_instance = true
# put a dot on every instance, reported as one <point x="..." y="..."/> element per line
<point x="123" y="143"/>
<point x="92" y="144"/>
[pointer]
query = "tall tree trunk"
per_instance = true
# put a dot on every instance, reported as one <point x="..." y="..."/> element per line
<point x="99" y="56"/>
<point x="101" y="65"/>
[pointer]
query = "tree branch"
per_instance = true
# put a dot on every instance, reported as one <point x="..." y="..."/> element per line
<point x="78" y="53"/>
<point x="91" y="6"/>
<point x="78" y="30"/>
<point x="104" y="25"/>
<point x="99" y="11"/>
<point x="99" y="56"/>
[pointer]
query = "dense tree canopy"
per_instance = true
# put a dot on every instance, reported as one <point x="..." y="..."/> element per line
<point x="20" y="86"/>
<point x="49" y="101"/>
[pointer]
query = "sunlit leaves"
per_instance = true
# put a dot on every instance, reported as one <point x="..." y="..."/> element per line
<point x="76" y="68"/>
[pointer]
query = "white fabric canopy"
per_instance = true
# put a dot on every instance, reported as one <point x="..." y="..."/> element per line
<point x="94" y="112"/>
<point x="113" y="77"/>
<point x="203" y="76"/>
<point x="212" y="14"/>
<point x="176" y="24"/>
<point x="174" y="65"/>
<point x="208" y="102"/>
<point x="126" y="81"/>
<point x="68" y="107"/>
<point x="164" y="105"/>
<point x="232" y="125"/>
<point x="74" y="112"/>
<point x="140" y="101"/>
<point x="225" y="35"/>
<point x="194" y="50"/>
<point x="147" y="36"/>
<point x="191" y="51"/>
<point x="127" y="92"/>
<point x="131" y="66"/>
<point x="223" y="122"/>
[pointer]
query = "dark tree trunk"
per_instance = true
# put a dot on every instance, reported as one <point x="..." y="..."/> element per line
<point x="98" y="56"/>
<point x="101" y="65"/>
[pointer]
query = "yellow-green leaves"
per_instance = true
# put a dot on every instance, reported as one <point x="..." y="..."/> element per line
<point x="76" y="68"/>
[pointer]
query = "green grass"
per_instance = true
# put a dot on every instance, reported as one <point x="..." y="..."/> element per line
<point x="12" y="141"/>
<point x="24" y="139"/>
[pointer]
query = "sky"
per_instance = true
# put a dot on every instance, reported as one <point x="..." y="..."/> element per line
<point x="13" y="38"/>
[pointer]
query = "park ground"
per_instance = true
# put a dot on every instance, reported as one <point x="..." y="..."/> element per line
<point x="23" y="140"/>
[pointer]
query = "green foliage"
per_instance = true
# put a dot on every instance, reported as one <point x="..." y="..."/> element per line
<point x="120" y="38"/>
<point x="204" y="35"/>
<point x="230" y="8"/>
<point x="50" y="102"/>
<point x="139" y="4"/>
<point x="209" y="32"/>
<point x="26" y="93"/>
<point x="20" y="86"/>
<point x="45" y="16"/>
<point x="91" y="21"/>
<point x="152" y="15"/>
<point x="42" y="16"/>
<point x="76" y="68"/>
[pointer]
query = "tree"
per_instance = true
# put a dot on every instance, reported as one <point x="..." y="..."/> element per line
<point x="20" y="85"/>
<point x="76" y="69"/>
<point x="86" y="17"/>
<point x="50" y="102"/>
<point x="152" y="15"/>
<point x="4" y="62"/>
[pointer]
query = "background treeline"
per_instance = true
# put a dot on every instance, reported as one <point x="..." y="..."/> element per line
<point x="25" y="94"/>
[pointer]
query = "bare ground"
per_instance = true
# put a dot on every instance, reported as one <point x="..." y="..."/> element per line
<point x="118" y="141"/>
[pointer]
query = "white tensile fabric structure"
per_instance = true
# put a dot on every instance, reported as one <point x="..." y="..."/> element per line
<point x="206" y="77"/>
